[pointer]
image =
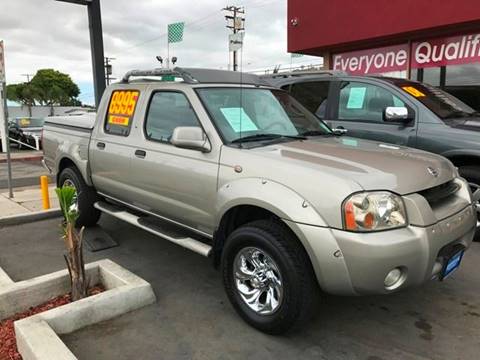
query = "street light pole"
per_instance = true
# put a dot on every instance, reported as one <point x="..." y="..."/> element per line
<point x="96" y="45"/>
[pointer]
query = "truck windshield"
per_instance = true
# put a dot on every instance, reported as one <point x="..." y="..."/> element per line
<point x="259" y="114"/>
<point x="444" y="105"/>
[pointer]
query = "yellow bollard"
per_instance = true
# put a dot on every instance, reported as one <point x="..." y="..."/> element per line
<point x="45" y="196"/>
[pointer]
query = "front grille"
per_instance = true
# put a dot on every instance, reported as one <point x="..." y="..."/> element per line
<point x="440" y="192"/>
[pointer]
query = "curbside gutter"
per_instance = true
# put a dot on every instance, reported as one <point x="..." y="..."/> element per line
<point x="29" y="217"/>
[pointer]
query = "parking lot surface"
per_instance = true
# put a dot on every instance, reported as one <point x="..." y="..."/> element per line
<point x="193" y="319"/>
<point x="25" y="173"/>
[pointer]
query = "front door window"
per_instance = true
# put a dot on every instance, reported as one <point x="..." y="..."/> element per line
<point x="365" y="102"/>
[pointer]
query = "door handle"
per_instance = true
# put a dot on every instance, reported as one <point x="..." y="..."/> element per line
<point x="140" y="153"/>
<point x="101" y="145"/>
<point x="340" y="130"/>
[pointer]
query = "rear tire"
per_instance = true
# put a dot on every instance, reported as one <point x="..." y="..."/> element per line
<point x="284" y="258"/>
<point x="86" y="197"/>
<point x="472" y="175"/>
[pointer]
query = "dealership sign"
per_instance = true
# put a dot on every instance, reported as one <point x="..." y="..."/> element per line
<point x="373" y="61"/>
<point x="437" y="52"/>
<point x="446" y="51"/>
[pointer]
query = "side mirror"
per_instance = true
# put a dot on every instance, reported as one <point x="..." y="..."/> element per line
<point x="191" y="137"/>
<point x="397" y="114"/>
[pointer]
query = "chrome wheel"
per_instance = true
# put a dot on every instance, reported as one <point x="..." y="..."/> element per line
<point x="258" y="281"/>
<point x="70" y="183"/>
<point x="476" y="198"/>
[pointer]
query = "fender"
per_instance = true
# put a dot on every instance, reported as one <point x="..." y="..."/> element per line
<point x="270" y="195"/>
<point x="296" y="212"/>
<point x="78" y="155"/>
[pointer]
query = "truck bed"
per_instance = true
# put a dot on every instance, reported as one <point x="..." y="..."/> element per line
<point x="84" y="121"/>
<point x="68" y="137"/>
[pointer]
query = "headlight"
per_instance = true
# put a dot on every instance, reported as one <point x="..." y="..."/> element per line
<point x="373" y="211"/>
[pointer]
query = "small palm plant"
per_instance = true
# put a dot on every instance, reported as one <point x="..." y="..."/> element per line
<point x="73" y="241"/>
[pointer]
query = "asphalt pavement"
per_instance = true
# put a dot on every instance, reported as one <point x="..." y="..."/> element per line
<point x="193" y="319"/>
<point x="24" y="173"/>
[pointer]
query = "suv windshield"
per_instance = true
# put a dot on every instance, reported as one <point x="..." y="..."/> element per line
<point x="444" y="105"/>
<point x="259" y="114"/>
<point x="29" y="122"/>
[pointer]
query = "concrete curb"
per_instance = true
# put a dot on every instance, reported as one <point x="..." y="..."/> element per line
<point x="26" y="158"/>
<point x="37" y="336"/>
<point x="29" y="217"/>
<point x="4" y="278"/>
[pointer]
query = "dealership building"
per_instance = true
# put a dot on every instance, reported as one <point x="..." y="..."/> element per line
<point x="436" y="42"/>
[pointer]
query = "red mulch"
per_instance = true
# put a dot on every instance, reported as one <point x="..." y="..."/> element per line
<point x="8" y="343"/>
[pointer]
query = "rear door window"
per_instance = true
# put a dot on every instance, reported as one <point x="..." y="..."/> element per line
<point x="313" y="95"/>
<point x="365" y="102"/>
<point x="121" y="110"/>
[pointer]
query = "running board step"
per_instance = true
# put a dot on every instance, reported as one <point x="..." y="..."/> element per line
<point x="122" y="214"/>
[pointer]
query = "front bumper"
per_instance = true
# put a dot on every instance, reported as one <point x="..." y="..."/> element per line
<point x="348" y="263"/>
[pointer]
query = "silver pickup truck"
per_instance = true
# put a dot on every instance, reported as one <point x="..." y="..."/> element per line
<point x="224" y="165"/>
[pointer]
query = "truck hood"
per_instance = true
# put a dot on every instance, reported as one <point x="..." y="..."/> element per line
<point x="471" y="124"/>
<point x="371" y="165"/>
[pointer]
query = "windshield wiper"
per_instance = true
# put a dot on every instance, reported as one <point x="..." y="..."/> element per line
<point x="316" y="133"/>
<point x="458" y="114"/>
<point x="260" y="137"/>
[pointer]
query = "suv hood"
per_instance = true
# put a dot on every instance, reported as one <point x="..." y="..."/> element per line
<point x="371" y="165"/>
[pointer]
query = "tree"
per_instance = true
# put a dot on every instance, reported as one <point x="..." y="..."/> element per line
<point x="73" y="241"/>
<point x="51" y="87"/>
<point x="47" y="88"/>
<point x="21" y="93"/>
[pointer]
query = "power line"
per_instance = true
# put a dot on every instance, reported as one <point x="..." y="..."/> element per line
<point x="187" y="25"/>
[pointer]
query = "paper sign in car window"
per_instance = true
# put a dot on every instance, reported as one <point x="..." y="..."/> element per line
<point x="350" y="142"/>
<point x="413" y="91"/>
<point x="238" y="119"/>
<point x="356" y="98"/>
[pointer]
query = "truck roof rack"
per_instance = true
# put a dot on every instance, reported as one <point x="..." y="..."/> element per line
<point x="303" y="73"/>
<point x="199" y="76"/>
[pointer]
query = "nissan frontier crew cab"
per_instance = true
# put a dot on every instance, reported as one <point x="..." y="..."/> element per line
<point x="222" y="164"/>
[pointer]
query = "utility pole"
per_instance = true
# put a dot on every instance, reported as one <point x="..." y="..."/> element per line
<point x="236" y="15"/>
<point x="28" y="76"/>
<point x="29" y="104"/>
<point x="108" y="70"/>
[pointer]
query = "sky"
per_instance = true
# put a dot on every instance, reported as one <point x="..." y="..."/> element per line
<point x="50" y="34"/>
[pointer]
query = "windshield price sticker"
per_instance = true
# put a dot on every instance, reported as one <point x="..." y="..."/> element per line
<point x="123" y="104"/>
<point x="413" y="91"/>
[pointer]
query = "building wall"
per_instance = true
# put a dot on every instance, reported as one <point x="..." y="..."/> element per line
<point x="39" y="111"/>
<point x="333" y="25"/>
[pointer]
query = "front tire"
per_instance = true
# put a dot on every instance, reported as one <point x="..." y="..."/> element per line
<point x="472" y="175"/>
<point x="88" y="215"/>
<point x="268" y="276"/>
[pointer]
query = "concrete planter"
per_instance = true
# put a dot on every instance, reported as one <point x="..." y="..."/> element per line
<point x="37" y="336"/>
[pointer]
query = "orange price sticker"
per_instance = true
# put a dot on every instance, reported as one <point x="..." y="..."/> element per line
<point x="413" y="91"/>
<point x="118" y="120"/>
<point x="123" y="102"/>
